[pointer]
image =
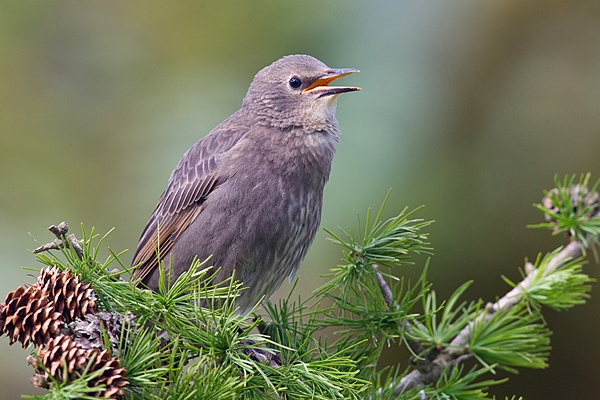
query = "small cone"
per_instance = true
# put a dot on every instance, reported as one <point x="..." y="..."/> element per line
<point x="72" y="298"/>
<point x="28" y="316"/>
<point x="97" y="331"/>
<point x="64" y="360"/>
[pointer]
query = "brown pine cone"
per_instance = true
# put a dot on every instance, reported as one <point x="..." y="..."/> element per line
<point x="72" y="298"/>
<point x="28" y="315"/>
<point x="113" y="376"/>
<point x="62" y="354"/>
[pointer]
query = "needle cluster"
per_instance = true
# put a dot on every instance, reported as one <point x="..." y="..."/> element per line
<point x="187" y="340"/>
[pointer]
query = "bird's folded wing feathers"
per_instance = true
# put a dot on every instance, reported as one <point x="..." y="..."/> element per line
<point x="191" y="182"/>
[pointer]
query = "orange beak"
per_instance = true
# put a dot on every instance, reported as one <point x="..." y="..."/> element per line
<point x="321" y="88"/>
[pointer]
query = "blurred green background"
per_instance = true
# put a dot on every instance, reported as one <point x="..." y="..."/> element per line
<point x="467" y="107"/>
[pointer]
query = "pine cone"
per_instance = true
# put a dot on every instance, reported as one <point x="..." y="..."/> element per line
<point x="72" y="298"/>
<point x="93" y="330"/>
<point x="28" y="315"/>
<point x="113" y="376"/>
<point x="62" y="354"/>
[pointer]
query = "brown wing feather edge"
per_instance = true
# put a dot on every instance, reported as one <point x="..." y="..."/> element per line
<point x="191" y="182"/>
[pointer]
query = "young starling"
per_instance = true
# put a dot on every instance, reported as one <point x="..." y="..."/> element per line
<point x="250" y="192"/>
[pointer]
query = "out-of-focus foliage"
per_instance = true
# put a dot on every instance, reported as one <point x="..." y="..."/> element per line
<point x="467" y="107"/>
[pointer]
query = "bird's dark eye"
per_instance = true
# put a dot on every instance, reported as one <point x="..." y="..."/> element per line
<point x="295" y="83"/>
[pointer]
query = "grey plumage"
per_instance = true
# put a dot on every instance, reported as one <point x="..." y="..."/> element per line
<point x="250" y="192"/>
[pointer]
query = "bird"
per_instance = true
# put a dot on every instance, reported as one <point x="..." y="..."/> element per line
<point x="250" y="192"/>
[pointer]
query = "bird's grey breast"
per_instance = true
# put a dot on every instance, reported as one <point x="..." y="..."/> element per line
<point x="283" y="178"/>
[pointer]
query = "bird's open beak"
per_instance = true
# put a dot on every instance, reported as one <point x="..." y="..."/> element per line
<point x="320" y="88"/>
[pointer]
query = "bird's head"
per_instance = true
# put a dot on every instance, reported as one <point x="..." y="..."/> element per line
<point x="295" y="91"/>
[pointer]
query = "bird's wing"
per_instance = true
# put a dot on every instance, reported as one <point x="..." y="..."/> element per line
<point x="191" y="182"/>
